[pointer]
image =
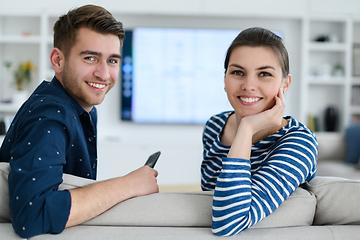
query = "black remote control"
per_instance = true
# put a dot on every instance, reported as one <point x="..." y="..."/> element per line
<point x="153" y="159"/>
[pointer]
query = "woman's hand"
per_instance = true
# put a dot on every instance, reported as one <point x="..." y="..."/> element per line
<point x="269" y="118"/>
<point x="251" y="125"/>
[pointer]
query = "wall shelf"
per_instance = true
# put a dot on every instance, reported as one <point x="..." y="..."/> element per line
<point x="324" y="46"/>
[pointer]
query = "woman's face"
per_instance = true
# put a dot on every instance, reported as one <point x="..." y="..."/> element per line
<point x="253" y="79"/>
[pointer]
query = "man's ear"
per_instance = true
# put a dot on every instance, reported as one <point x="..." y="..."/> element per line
<point x="57" y="60"/>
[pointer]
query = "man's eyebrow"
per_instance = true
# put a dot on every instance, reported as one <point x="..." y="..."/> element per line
<point x="115" y="56"/>
<point x="88" y="52"/>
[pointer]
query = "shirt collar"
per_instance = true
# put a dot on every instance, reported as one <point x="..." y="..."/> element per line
<point x="77" y="106"/>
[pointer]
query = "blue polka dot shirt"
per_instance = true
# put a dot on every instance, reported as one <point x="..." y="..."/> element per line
<point x="51" y="134"/>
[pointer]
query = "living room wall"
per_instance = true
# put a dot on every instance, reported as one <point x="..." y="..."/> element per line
<point x="124" y="146"/>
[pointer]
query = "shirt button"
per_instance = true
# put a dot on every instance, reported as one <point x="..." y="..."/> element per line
<point x="94" y="165"/>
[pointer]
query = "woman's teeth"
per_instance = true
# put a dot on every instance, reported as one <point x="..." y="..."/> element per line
<point x="249" y="100"/>
<point x="97" y="85"/>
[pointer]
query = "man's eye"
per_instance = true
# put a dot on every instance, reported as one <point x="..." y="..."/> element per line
<point x="89" y="58"/>
<point x="265" y="74"/>
<point x="113" y="61"/>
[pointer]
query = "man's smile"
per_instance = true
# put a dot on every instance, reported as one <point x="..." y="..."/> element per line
<point x="96" y="85"/>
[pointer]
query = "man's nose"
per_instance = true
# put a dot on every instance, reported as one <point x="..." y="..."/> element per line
<point x="102" y="71"/>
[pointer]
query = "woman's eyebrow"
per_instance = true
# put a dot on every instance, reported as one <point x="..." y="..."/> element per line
<point x="236" y="65"/>
<point x="266" y="67"/>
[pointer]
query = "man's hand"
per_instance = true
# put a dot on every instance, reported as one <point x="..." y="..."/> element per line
<point x="142" y="181"/>
<point x="90" y="201"/>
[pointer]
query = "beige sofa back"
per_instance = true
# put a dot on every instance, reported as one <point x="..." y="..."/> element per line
<point x="331" y="146"/>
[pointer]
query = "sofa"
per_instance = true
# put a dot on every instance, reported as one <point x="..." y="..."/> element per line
<point x="327" y="207"/>
<point x="332" y="156"/>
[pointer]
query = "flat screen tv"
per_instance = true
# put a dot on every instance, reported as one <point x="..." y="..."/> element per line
<point x="173" y="75"/>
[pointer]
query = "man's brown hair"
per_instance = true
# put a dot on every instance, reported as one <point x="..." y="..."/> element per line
<point x="93" y="17"/>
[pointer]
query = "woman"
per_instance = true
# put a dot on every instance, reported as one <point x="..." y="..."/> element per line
<point x="254" y="158"/>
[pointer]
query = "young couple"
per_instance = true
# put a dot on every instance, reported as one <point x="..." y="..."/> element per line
<point x="254" y="158"/>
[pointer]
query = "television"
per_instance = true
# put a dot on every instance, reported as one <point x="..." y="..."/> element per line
<point x="174" y="75"/>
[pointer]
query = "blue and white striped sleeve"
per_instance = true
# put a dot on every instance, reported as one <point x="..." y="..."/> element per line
<point x="244" y="196"/>
<point x="213" y="153"/>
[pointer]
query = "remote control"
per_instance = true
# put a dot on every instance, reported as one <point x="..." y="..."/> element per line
<point x="152" y="159"/>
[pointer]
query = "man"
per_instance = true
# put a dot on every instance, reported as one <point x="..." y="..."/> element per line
<point x="54" y="132"/>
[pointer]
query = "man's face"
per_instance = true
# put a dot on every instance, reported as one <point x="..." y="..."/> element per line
<point x="91" y="68"/>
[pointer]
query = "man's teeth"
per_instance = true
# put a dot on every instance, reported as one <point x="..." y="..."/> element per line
<point x="249" y="100"/>
<point x="97" y="85"/>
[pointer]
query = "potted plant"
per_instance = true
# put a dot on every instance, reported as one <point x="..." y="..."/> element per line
<point x="23" y="74"/>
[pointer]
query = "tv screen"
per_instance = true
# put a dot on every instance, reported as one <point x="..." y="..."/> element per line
<point x="174" y="75"/>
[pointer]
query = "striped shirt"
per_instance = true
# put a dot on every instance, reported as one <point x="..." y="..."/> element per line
<point x="246" y="191"/>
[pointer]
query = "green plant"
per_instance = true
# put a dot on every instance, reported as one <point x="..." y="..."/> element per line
<point x="23" y="74"/>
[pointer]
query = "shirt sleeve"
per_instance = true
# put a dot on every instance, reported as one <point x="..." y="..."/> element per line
<point x="38" y="154"/>
<point x="243" y="197"/>
<point x="213" y="153"/>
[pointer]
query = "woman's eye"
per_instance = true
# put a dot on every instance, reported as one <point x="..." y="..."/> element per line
<point x="237" y="72"/>
<point x="265" y="74"/>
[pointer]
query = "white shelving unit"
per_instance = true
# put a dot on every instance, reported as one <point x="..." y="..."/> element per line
<point x="23" y="36"/>
<point x="322" y="86"/>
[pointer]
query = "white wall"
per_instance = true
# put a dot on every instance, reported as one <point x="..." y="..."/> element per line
<point x="125" y="146"/>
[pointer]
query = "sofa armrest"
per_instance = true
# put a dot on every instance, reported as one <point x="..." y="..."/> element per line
<point x="337" y="200"/>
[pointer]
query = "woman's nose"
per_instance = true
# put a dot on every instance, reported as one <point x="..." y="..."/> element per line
<point x="249" y="84"/>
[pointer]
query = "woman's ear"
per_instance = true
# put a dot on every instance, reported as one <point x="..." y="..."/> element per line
<point x="286" y="83"/>
<point x="57" y="60"/>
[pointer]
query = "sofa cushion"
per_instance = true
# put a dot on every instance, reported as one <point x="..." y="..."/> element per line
<point x="352" y="136"/>
<point x="297" y="210"/>
<point x="337" y="200"/>
<point x="193" y="209"/>
<point x="4" y="193"/>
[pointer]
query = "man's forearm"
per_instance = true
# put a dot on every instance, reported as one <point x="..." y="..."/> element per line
<point x="90" y="201"/>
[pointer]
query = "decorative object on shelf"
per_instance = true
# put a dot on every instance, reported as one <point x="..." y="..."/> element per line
<point x="327" y="38"/>
<point x="356" y="60"/>
<point x="6" y="78"/>
<point x="7" y="64"/>
<point x="355" y="96"/>
<point x="338" y="70"/>
<point x="331" y="119"/>
<point x="312" y="123"/>
<point x="23" y="74"/>
<point x="324" y="70"/>
<point x="19" y="97"/>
